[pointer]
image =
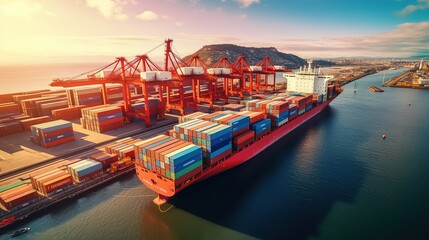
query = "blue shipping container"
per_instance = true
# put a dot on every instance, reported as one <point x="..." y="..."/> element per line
<point x="88" y="168"/>
<point x="116" y="115"/>
<point x="216" y="153"/>
<point x="184" y="164"/>
<point x="261" y="126"/>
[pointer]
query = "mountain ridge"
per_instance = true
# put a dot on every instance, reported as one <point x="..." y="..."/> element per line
<point x="210" y="54"/>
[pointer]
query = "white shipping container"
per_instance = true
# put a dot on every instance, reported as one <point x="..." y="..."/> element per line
<point x="277" y="67"/>
<point x="226" y="70"/>
<point x="190" y="71"/>
<point x="148" y="76"/>
<point x="163" y="75"/>
<point x="256" y="68"/>
<point x="214" y="71"/>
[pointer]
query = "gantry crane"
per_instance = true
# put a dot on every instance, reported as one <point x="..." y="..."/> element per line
<point x="125" y="73"/>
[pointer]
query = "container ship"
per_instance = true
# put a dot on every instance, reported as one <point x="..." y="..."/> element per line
<point x="203" y="145"/>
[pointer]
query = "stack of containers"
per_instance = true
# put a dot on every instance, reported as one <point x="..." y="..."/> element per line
<point x="105" y="159"/>
<point x="68" y="113"/>
<point x="239" y="123"/>
<point x="20" y="97"/>
<point x="122" y="148"/>
<point x="101" y="119"/>
<point x="243" y="140"/>
<point x="8" y="97"/>
<point x="53" y="133"/>
<point x="192" y="116"/>
<point x="29" y="106"/>
<point x="215" y="139"/>
<point x="172" y="158"/>
<point x="85" y="170"/>
<point x="309" y="101"/>
<point x="139" y="106"/>
<point x="9" y="108"/>
<point x="89" y="96"/>
<point x="259" y="96"/>
<point x="10" y="127"/>
<point x="301" y="103"/>
<point x="317" y="98"/>
<point x="233" y="107"/>
<point x="261" y="128"/>
<point x="293" y="111"/>
<point x="11" y="186"/>
<point x="114" y="93"/>
<point x="278" y="112"/>
<point x="16" y="195"/>
<point x="213" y="116"/>
<point x="330" y="91"/>
<point x="46" y="108"/>
<point x="253" y="116"/>
<point x="51" y="182"/>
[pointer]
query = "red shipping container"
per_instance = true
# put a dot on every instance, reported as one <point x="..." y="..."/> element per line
<point x="111" y="126"/>
<point x="21" y="199"/>
<point x="10" y="128"/>
<point x="88" y="176"/>
<point x="46" y="178"/>
<point x="58" y="142"/>
<point x="110" y="121"/>
<point x="15" y="191"/>
<point x="104" y="158"/>
<point x="58" y="132"/>
<point x="57" y="183"/>
<point x="244" y="139"/>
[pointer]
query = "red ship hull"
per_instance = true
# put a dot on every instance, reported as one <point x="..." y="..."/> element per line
<point x="167" y="188"/>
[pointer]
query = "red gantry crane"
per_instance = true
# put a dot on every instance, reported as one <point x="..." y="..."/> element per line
<point x="233" y="80"/>
<point x="183" y="76"/>
<point x="125" y="73"/>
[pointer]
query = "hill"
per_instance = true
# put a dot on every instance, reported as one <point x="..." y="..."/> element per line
<point x="210" y="54"/>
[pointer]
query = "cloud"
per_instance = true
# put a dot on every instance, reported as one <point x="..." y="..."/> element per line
<point x="407" y="39"/>
<point x="179" y="24"/>
<point x="109" y="8"/>
<point x="147" y="16"/>
<point x="19" y="8"/>
<point x="242" y="16"/>
<point x="247" y="3"/>
<point x="421" y="5"/>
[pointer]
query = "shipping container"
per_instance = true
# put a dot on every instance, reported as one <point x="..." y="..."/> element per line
<point x="55" y="185"/>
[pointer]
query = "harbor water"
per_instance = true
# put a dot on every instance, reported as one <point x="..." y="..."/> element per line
<point x="333" y="178"/>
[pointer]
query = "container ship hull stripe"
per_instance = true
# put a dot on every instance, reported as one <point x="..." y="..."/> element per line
<point x="166" y="188"/>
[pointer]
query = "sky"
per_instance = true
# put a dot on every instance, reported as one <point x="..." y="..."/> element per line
<point x="69" y="31"/>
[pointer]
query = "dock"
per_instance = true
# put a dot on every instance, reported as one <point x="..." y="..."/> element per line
<point x="375" y="89"/>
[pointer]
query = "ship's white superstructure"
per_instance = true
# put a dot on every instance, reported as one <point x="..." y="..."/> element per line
<point x="307" y="80"/>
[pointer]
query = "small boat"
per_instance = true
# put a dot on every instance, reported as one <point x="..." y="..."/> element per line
<point x="384" y="136"/>
<point x="20" y="232"/>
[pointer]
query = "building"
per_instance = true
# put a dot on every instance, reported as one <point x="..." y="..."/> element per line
<point x="307" y="80"/>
